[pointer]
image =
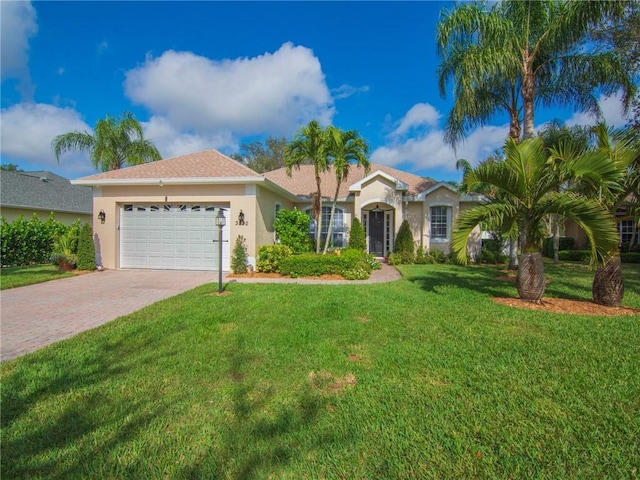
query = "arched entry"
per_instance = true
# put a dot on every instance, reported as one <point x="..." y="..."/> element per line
<point x="378" y="220"/>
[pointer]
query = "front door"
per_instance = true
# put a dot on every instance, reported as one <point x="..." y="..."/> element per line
<point x="376" y="233"/>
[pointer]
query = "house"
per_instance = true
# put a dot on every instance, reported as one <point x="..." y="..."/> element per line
<point x="26" y="193"/>
<point x="162" y="214"/>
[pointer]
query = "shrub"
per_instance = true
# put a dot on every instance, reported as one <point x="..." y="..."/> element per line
<point x="86" y="249"/>
<point x="270" y="256"/>
<point x="491" y="251"/>
<point x="566" y="243"/>
<point x="627" y="247"/>
<point x="352" y="264"/>
<point x="292" y="229"/>
<point x="574" y="255"/>
<point x="404" y="243"/>
<point x="65" y="248"/>
<point x="239" y="256"/>
<point x="27" y="242"/>
<point x="395" y="259"/>
<point x="357" y="239"/>
<point x="630" y="257"/>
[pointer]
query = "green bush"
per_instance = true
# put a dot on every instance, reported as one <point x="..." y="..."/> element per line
<point x="26" y="242"/>
<point x="270" y="256"/>
<point x="630" y="257"/>
<point x="404" y="243"/>
<point x="574" y="255"/>
<point x="357" y="239"/>
<point x="491" y="251"/>
<point x="86" y="249"/>
<point x="395" y="259"/>
<point x="350" y="263"/>
<point x="566" y="243"/>
<point x="292" y="229"/>
<point x="239" y="256"/>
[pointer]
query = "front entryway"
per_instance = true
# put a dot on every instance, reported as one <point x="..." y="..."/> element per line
<point x="172" y="237"/>
<point x="379" y="226"/>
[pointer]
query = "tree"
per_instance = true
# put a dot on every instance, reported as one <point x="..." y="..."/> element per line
<point x="357" y="237"/>
<point x="530" y="194"/>
<point x="404" y="244"/>
<point x="344" y="149"/>
<point x="623" y="148"/>
<point x="535" y="46"/>
<point x="239" y="256"/>
<point x="115" y="144"/>
<point x="10" y="167"/>
<point x="553" y="135"/>
<point x="309" y="145"/>
<point x="262" y="157"/>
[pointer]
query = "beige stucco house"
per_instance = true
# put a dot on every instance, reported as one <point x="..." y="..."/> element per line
<point x="161" y="215"/>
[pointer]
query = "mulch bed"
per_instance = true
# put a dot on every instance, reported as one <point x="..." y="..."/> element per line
<point x="562" y="305"/>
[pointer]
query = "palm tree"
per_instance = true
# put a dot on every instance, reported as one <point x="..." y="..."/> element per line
<point x="623" y="148"/>
<point x="529" y="194"/>
<point x="344" y="149"/>
<point x="309" y="145"/>
<point x="533" y="46"/>
<point x="115" y="144"/>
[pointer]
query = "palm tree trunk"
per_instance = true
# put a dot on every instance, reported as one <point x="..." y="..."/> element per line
<point x="317" y="208"/>
<point x="530" y="280"/>
<point x="555" y="228"/>
<point x="528" y="97"/>
<point x="513" y="254"/>
<point x="608" y="283"/>
<point x="330" y="226"/>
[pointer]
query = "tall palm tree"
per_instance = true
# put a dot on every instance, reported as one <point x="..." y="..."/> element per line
<point x="344" y="149"/>
<point x="532" y="45"/>
<point x="622" y="146"/>
<point x="115" y="144"/>
<point x="530" y="194"/>
<point x="309" y="145"/>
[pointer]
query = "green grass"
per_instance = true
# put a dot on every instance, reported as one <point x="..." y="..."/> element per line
<point x="13" y="277"/>
<point x="421" y="378"/>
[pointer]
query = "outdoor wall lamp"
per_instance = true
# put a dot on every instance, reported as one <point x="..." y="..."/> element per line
<point x="102" y="216"/>
<point x="240" y="218"/>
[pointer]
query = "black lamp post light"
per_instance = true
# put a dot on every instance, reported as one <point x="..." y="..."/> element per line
<point x="221" y="221"/>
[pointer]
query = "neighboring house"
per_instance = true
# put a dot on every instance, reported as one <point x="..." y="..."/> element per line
<point x="627" y="222"/>
<point x="26" y="193"/>
<point x="162" y="214"/>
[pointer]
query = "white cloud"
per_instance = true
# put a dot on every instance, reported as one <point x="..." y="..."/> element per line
<point x="611" y="111"/>
<point x="420" y="115"/>
<point x="345" y="91"/>
<point x="18" y="24"/>
<point x="171" y="142"/>
<point x="426" y="148"/>
<point x="273" y="93"/>
<point x="27" y="132"/>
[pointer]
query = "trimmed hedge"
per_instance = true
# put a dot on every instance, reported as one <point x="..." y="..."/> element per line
<point x="27" y="242"/>
<point x="292" y="229"/>
<point x="357" y="239"/>
<point x="574" y="255"/>
<point x="350" y="263"/>
<point x="630" y="257"/>
<point x="86" y="249"/>
<point x="565" y="243"/>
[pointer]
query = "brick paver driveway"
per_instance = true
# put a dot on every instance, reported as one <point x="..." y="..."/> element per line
<point x="37" y="315"/>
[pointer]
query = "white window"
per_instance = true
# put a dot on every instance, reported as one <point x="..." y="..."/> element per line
<point x="440" y="218"/>
<point x="338" y="233"/>
<point x="625" y="228"/>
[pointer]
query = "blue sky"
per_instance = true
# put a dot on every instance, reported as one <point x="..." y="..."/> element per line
<point x="204" y="75"/>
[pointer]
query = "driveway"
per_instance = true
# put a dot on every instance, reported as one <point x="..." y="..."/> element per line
<point x="37" y="315"/>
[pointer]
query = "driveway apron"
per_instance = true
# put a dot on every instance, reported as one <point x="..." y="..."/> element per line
<point x="37" y="315"/>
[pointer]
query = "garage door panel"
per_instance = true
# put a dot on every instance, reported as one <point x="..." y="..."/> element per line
<point x="171" y="237"/>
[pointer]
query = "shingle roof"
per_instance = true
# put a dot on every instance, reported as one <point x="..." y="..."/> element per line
<point x="43" y="191"/>
<point x="303" y="182"/>
<point x="207" y="164"/>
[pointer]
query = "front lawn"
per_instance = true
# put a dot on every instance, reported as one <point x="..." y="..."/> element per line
<point x="421" y="378"/>
<point x="12" y="277"/>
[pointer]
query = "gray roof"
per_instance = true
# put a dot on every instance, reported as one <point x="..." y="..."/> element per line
<point x="43" y="191"/>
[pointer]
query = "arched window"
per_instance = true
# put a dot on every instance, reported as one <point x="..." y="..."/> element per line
<point x="338" y="233"/>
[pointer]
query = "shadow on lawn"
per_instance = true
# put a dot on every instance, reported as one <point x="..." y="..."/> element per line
<point x="85" y="410"/>
<point x="259" y="434"/>
<point x="477" y="279"/>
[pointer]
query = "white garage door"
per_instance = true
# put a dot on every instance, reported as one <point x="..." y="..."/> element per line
<point x="172" y="237"/>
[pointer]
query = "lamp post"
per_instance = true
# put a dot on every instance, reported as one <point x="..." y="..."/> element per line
<point x="221" y="221"/>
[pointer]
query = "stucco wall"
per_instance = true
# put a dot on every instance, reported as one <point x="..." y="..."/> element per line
<point x="475" y="239"/>
<point x="416" y="218"/>
<point x="10" y="214"/>
<point x="265" y="216"/>
<point x="109" y="199"/>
